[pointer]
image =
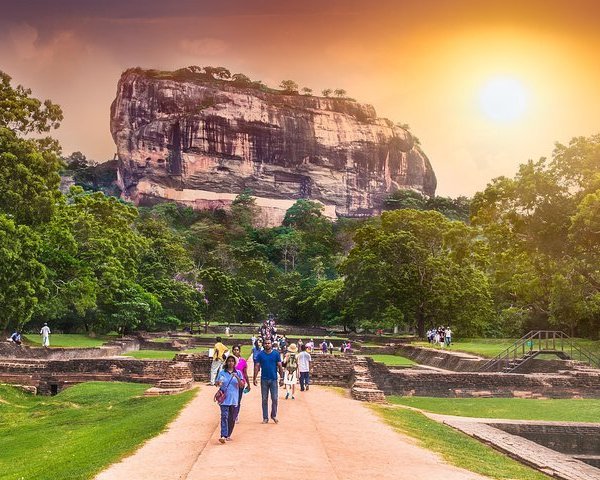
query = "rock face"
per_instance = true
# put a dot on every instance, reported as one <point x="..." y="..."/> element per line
<point x="201" y="142"/>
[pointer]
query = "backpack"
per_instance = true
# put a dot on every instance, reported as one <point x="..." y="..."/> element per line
<point x="292" y="363"/>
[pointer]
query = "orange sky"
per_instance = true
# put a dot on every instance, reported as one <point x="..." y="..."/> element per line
<point x="418" y="62"/>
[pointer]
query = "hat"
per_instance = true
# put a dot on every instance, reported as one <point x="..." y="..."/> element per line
<point x="293" y="348"/>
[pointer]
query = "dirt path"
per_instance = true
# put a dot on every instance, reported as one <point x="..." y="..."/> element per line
<point x="321" y="434"/>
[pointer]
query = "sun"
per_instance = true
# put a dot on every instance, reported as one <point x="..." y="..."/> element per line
<point x="503" y="99"/>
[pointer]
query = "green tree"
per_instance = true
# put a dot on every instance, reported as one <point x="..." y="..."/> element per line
<point x="289" y="86"/>
<point x="422" y="265"/>
<point x="22" y="276"/>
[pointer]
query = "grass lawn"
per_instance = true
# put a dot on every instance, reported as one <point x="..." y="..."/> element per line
<point x="490" y="347"/>
<point x="80" y="431"/>
<point x="456" y="447"/>
<point x="393" y="360"/>
<point x="170" y="354"/>
<point x="68" y="340"/>
<point x="567" y="410"/>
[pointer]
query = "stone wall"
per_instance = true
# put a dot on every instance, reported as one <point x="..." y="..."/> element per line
<point x="325" y="369"/>
<point x="570" y="439"/>
<point x="51" y="376"/>
<point x="426" y="383"/>
<point x="464" y="362"/>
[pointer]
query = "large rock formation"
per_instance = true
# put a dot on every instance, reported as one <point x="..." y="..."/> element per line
<point x="201" y="142"/>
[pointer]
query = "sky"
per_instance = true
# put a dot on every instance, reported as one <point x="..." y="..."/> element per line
<point x="484" y="85"/>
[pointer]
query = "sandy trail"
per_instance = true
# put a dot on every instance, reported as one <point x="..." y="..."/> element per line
<point x="321" y="434"/>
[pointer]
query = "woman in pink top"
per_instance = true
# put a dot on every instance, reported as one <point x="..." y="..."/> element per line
<point x="242" y="366"/>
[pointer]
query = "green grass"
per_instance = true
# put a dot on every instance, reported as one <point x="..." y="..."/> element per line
<point x="79" y="432"/>
<point x="490" y="347"/>
<point x="152" y="354"/>
<point x="170" y="354"/>
<point x="559" y="410"/>
<point x="68" y="340"/>
<point x="393" y="360"/>
<point x="456" y="447"/>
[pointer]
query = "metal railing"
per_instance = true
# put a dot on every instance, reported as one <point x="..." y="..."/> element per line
<point x="539" y="342"/>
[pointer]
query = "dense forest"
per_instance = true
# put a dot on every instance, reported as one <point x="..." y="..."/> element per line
<point x="522" y="254"/>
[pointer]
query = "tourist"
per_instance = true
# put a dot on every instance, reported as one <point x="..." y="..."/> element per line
<point x="343" y="347"/>
<point x="269" y="362"/>
<point x="230" y="381"/>
<point x="256" y="349"/>
<point x="283" y="348"/>
<point x="219" y="351"/>
<point x="290" y="364"/>
<point x="324" y="347"/>
<point x="45" y="333"/>
<point x="304" y="360"/>
<point x="330" y="347"/>
<point x="227" y="330"/>
<point x="253" y="340"/>
<point x="300" y="343"/>
<point x="241" y="366"/>
<point x="310" y="345"/>
<point x="16" y="338"/>
<point x="348" y="348"/>
<point x="448" y="336"/>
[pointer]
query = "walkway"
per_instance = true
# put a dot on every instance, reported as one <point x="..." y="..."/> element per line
<point x="322" y="433"/>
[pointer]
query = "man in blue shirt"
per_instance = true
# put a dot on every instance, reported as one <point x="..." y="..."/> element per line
<point x="270" y="362"/>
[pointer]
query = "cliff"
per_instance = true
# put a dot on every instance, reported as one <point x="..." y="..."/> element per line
<point x="200" y="142"/>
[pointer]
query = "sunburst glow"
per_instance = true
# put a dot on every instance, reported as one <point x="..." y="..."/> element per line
<point x="503" y="99"/>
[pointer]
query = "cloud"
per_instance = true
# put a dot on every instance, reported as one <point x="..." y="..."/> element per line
<point x="201" y="47"/>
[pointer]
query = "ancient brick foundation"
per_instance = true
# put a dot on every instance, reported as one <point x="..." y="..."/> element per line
<point x="52" y="376"/>
<point x="429" y="383"/>
<point x="110" y="349"/>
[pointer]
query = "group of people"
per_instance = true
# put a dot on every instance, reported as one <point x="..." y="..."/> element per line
<point x="441" y="336"/>
<point x="281" y="366"/>
<point x="44" y="332"/>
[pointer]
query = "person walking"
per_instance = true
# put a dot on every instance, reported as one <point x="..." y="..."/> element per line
<point x="290" y="365"/>
<point x="324" y="347"/>
<point x="304" y="360"/>
<point x="269" y="362"/>
<point x="330" y="347"/>
<point x="230" y="381"/>
<point x="219" y="351"/>
<point x="241" y="366"/>
<point x="45" y="333"/>
<point x="448" y="336"/>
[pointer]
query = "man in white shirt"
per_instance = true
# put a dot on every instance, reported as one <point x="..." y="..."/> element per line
<point x="45" y="333"/>
<point x="304" y="360"/>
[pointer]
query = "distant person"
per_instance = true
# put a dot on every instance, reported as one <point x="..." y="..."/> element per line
<point x="343" y="347"/>
<point x="218" y="358"/>
<point x="448" y="336"/>
<point x="230" y="381"/>
<point x="16" y="338"/>
<point x="324" y="347"/>
<point x="253" y="339"/>
<point x="227" y="330"/>
<point x="268" y="363"/>
<point x="330" y="346"/>
<point x="45" y="333"/>
<point x="348" y="348"/>
<point x="256" y="349"/>
<point x="290" y="366"/>
<point x="304" y="360"/>
<point x="242" y="366"/>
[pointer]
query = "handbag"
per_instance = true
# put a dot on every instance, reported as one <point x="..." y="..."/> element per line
<point x="220" y="395"/>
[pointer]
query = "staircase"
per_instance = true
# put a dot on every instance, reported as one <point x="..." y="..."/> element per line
<point x="539" y="342"/>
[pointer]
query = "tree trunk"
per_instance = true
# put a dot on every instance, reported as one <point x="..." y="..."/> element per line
<point x="421" y="324"/>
